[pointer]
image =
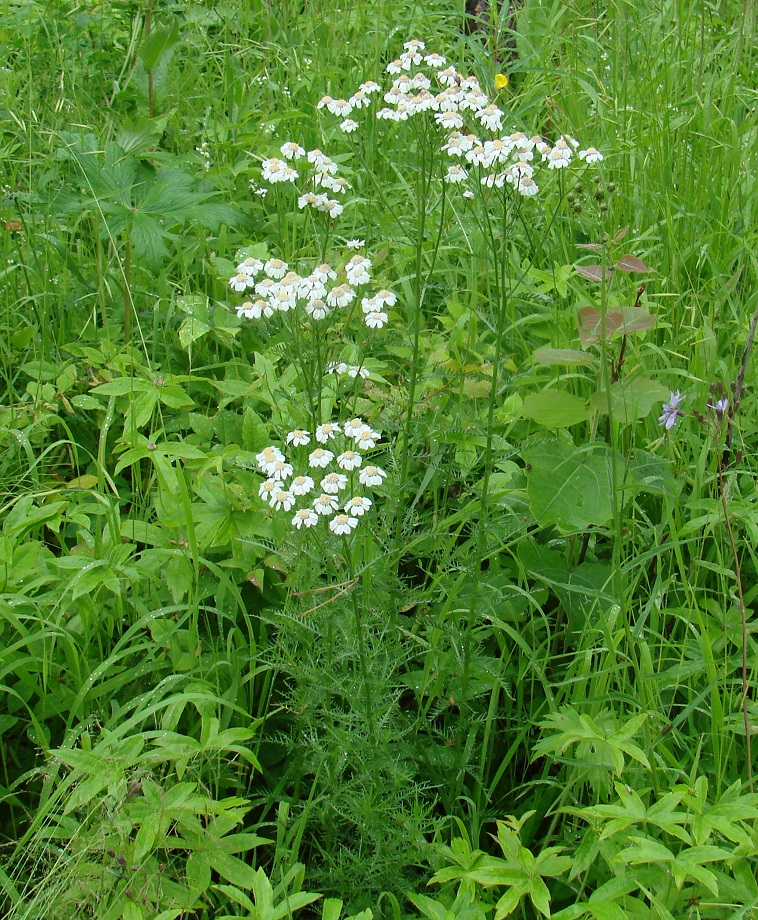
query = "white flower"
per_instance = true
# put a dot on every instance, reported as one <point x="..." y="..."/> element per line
<point x="283" y="299"/>
<point x="304" y="517"/>
<point x="558" y="158"/>
<point x="310" y="199"/>
<point x="324" y="272"/>
<point x="366" y="438"/>
<point x="376" y="320"/>
<point x="414" y="45"/>
<point x="352" y="427"/>
<point x="340" y="296"/>
<point x="250" y="266"/>
<point x="248" y="311"/>
<point x="267" y="489"/>
<point x="320" y="458"/>
<point x="332" y="208"/>
<point x="420" y="81"/>
<point x="271" y="169"/>
<point x="333" y="483"/>
<point x="527" y="186"/>
<point x="266" y="457"/>
<point x="370" y="86"/>
<point x="333" y="183"/>
<point x="349" y="125"/>
<point x="279" y="469"/>
<point x="493" y="180"/>
<point x="387" y="114"/>
<point x="477" y="156"/>
<point x="449" y="77"/>
<point x="457" y="144"/>
<point x="491" y="117"/>
<point x="355" y="244"/>
<point x="240" y="282"/>
<point x="301" y="485"/>
<point x="591" y="155"/>
<point x="321" y="162"/>
<point x="356" y="370"/>
<point x="298" y="437"/>
<point x="325" y="504"/>
<point x="359" y="100"/>
<point x="275" y="268"/>
<point x="339" y="107"/>
<point x="336" y="367"/>
<point x="385" y="298"/>
<point x="358" y="505"/>
<point x="317" y="309"/>
<point x="292" y="151"/>
<point x="567" y="139"/>
<point x="371" y="476"/>
<point x="342" y="524"/>
<point x="266" y="287"/>
<point x="282" y="499"/>
<point x="323" y="101"/>
<point x="349" y="460"/>
<point x="357" y="270"/>
<point x="449" y="120"/>
<point x="395" y="67"/>
<point x="467" y="193"/>
<point x="497" y="150"/>
<point x="327" y="431"/>
<point x="475" y="101"/>
<point x="311" y="288"/>
<point x="435" y="61"/>
<point x="519" y="170"/>
<point x="456" y="174"/>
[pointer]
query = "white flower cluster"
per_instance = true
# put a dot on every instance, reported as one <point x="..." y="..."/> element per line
<point x="284" y="490"/>
<point x="501" y="159"/>
<point x="280" y="290"/>
<point x="322" y="179"/>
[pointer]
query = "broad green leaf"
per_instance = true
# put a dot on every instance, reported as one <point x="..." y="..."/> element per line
<point x="554" y="409"/>
<point x="618" y="321"/>
<point x="568" y="356"/>
<point x="569" y="486"/>
<point x="631" y="399"/>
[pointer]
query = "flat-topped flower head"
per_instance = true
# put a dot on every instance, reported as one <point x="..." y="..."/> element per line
<point x="267" y="488"/>
<point x="349" y="460"/>
<point x="591" y="155"/>
<point x="292" y="151"/>
<point x="317" y="309"/>
<point x="282" y="498"/>
<point x="311" y="200"/>
<point x="371" y="476"/>
<point x="268" y="456"/>
<point x="324" y="272"/>
<point x="449" y="76"/>
<point x="340" y="296"/>
<point x="397" y="66"/>
<point x="304" y="517"/>
<point x="355" y="244"/>
<point x="339" y="107"/>
<point x="456" y="174"/>
<point x="491" y="117"/>
<point x="327" y="432"/>
<point x="357" y="270"/>
<point x="241" y="282"/>
<point x="435" y="61"/>
<point x="279" y="469"/>
<point x="377" y="319"/>
<point x="301" y="485"/>
<point x="558" y="157"/>
<point x="353" y="426"/>
<point x="359" y="100"/>
<point x="449" y="120"/>
<point x="370" y="86"/>
<point x="527" y="186"/>
<point x="333" y="483"/>
<point x="325" y="504"/>
<point x="366" y="438"/>
<point x="358" y="505"/>
<point x="283" y="299"/>
<point x="298" y="437"/>
<point x="250" y="266"/>
<point x="385" y="298"/>
<point x="275" y="268"/>
<point x="320" y="458"/>
<point x="342" y="524"/>
<point x="349" y="125"/>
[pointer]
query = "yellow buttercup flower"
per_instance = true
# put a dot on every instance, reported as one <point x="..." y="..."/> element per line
<point x="501" y="80"/>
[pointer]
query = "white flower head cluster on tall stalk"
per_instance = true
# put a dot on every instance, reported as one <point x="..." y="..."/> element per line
<point x="498" y="159"/>
<point x="328" y="481"/>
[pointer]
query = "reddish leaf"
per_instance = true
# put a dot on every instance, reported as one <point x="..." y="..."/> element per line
<point x="593" y="272"/>
<point x="631" y="264"/>
<point x="620" y="234"/>
<point x="621" y="321"/>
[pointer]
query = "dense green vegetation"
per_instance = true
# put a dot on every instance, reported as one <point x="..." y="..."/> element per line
<point x="378" y="532"/>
